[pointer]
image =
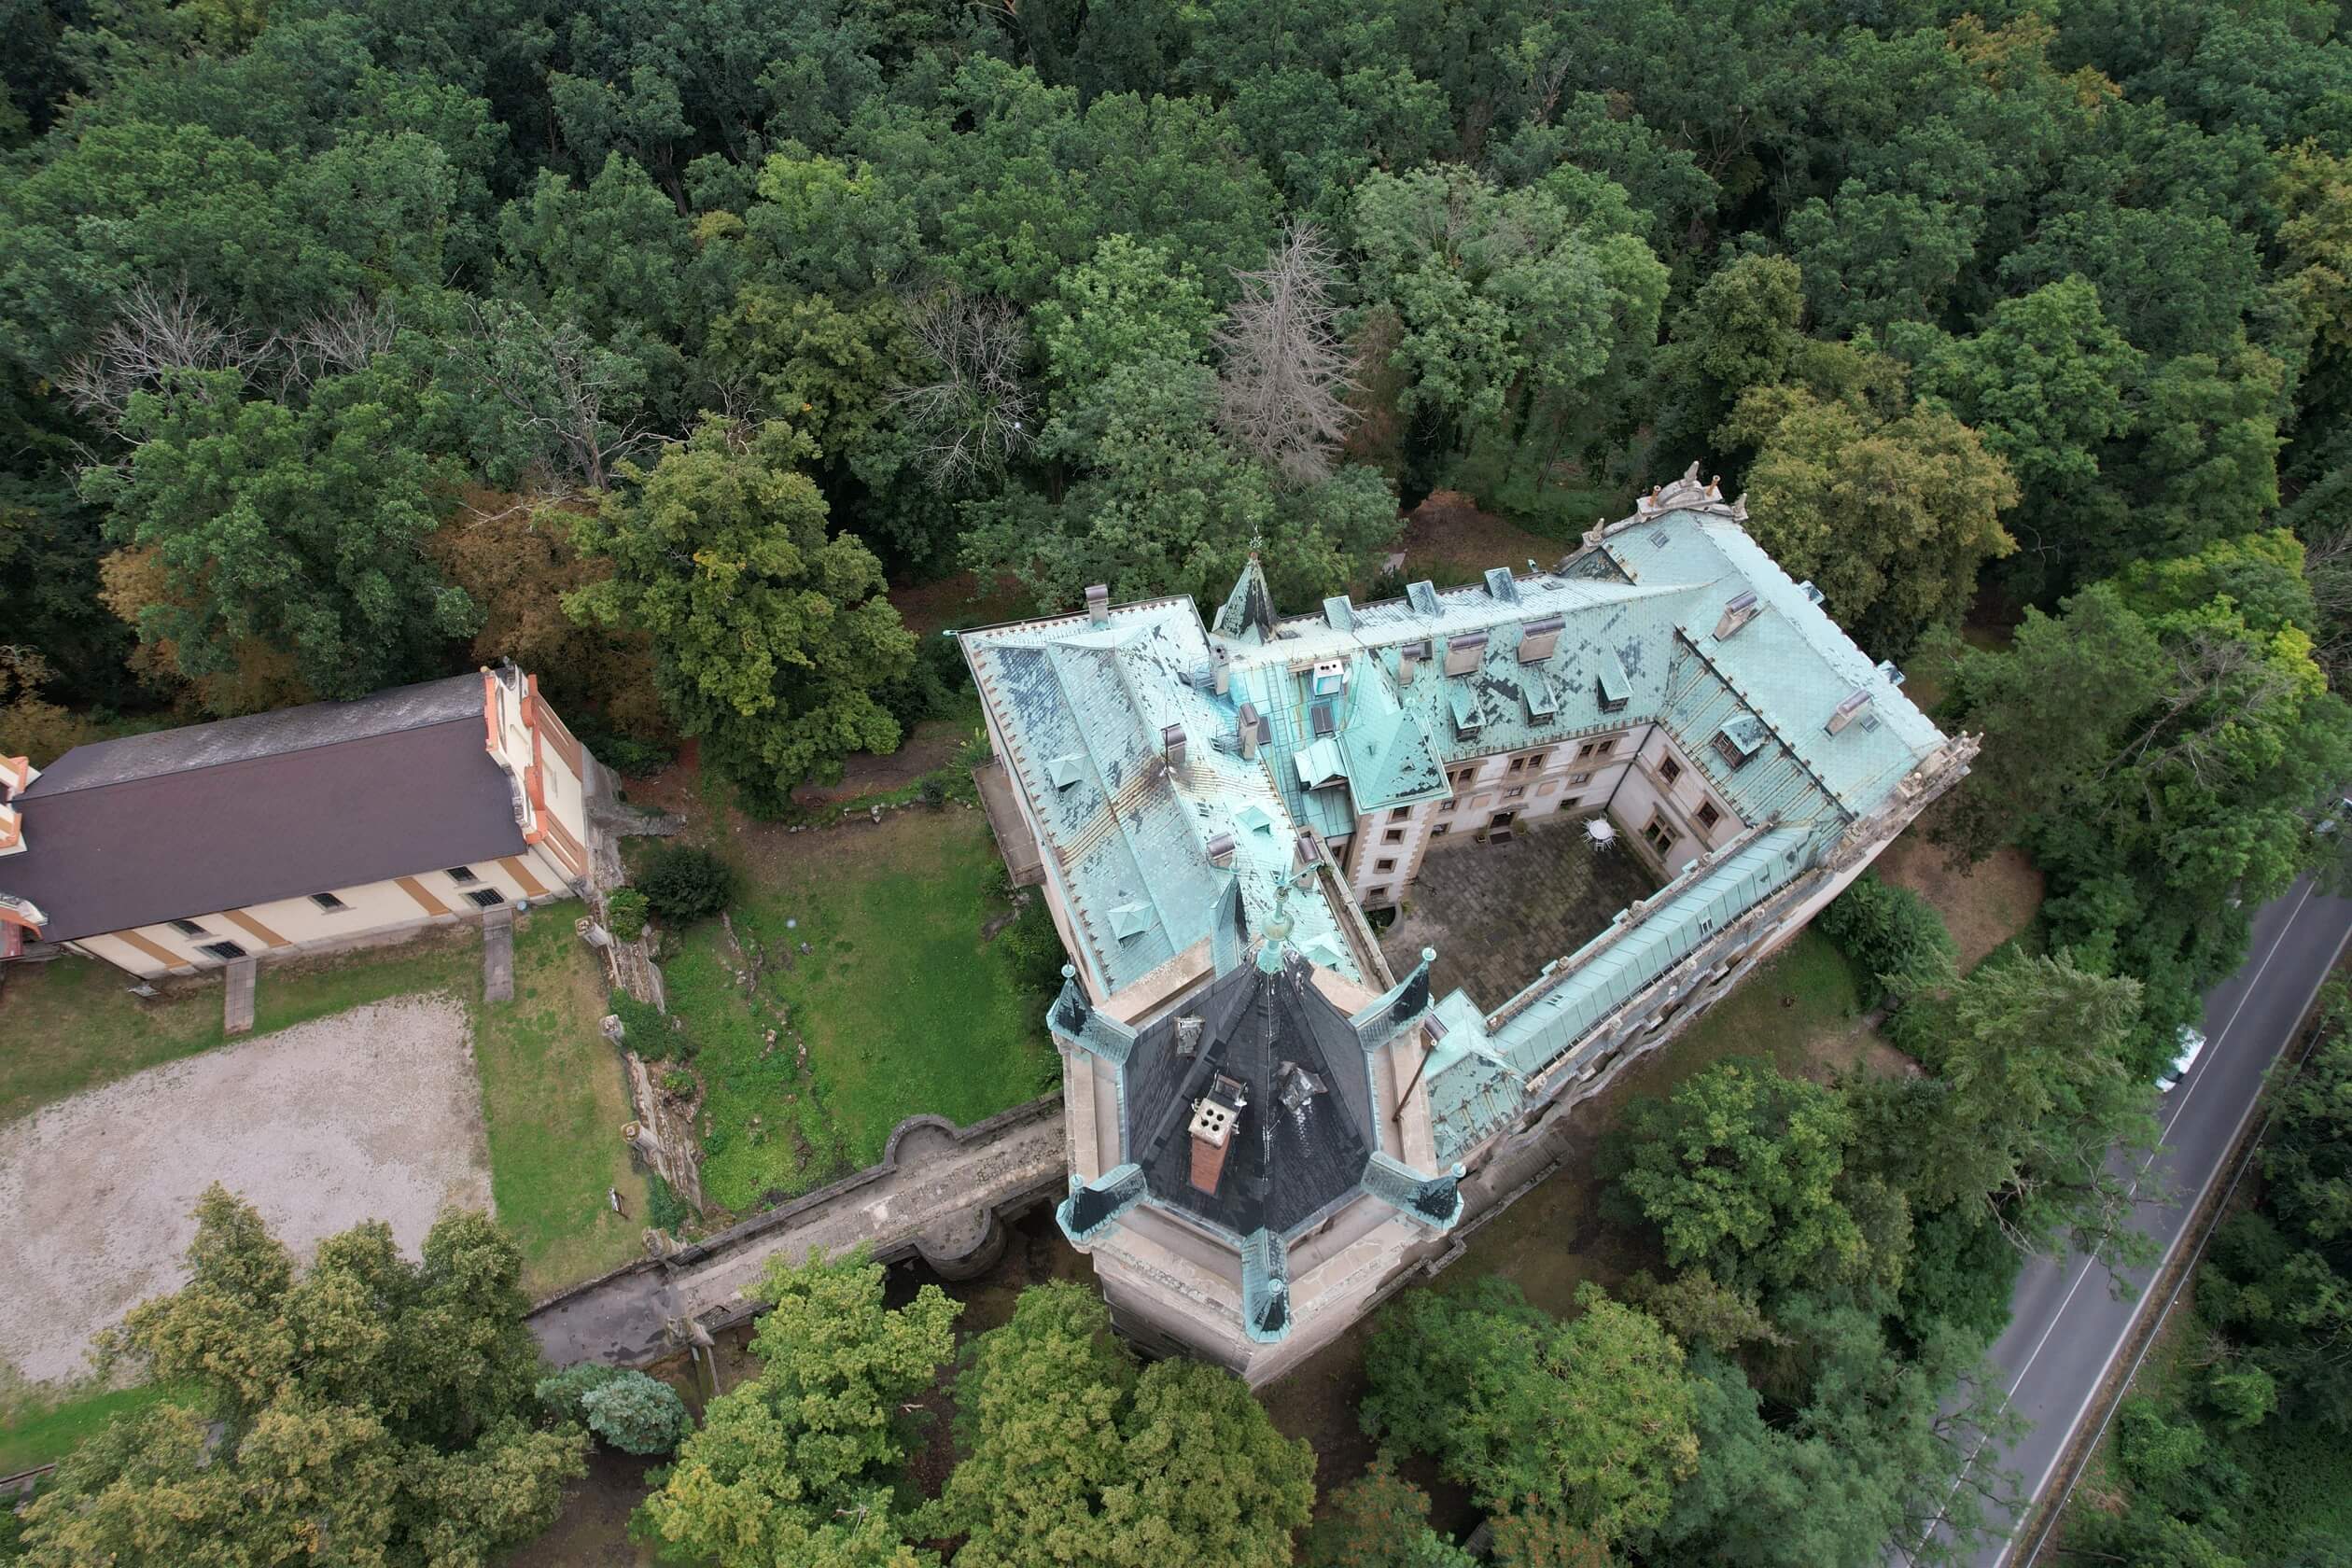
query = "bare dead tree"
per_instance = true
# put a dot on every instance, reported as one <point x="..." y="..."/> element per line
<point x="571" y="400"/>
<point x="341" y="341"/>
<point x="975" y="413"/>
<point x="2328" y="566"/>
<point x="155" y="332"/>
<point x="1281" y="391"/>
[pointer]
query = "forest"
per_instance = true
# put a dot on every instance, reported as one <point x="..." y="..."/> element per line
<point x="652" y="344"/>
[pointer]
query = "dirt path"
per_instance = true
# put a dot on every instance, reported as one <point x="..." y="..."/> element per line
<point x="373" y="1114"/>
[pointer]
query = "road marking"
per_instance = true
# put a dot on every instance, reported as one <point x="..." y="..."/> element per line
<point x="2213" y="1050"/>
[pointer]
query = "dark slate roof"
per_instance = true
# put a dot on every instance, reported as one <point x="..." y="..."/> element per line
<point x="160" y="827"/>
<point x="1283" y="1165"/>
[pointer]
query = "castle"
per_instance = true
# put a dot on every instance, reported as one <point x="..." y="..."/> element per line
<point x="1269" y="1127"/>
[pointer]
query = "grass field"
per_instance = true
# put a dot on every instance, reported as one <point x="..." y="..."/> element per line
<point x="903" y="1005"/>
<point x="553" y="1094"/>
<point x="553" y="1098"/>
<point x="37" y="1432"/>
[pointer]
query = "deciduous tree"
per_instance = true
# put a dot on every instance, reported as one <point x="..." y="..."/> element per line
<point x="770" y="637"/>
<point x="371" y="1407"/>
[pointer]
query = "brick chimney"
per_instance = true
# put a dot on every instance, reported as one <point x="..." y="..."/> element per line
<point x="1215" y="1116"/>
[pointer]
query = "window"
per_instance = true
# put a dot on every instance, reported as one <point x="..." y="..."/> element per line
<point x="1518" y="764"/>
<point x="487" y="898"/>
<point x="1376" y="895"/>
<point x="1445" y="806"/>
<point x="1580" y="779"/>
<point x="1393" y="835"/>
<point x="1708" y="815"/>
<point x="461" y="874"/>
<point x="224" y="950"/>
<point x="1661" y="833"/>
<point x="1670" y="770"/>
<point x="329" y="902"/>
<point x="1538" y="759"/>
<point x="1441" y="829"/>
<point x="1400" y="813"/>
<point x="1597" y="747"/>
<point x="1570" y="803"/>
<point x="1515" y="792"/>
<point x="1462" y="776"/>
<point x="189" y="928"/>
<point x="1384" y="865"/>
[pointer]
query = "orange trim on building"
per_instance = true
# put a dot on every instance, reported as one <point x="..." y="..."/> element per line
<point x="155" y="950"/>
<point x="424" y="900"/>
<point x="518" y="869"/>
<point x="490" y="711"/>
<point x="19" y="771"/>
<point x="10" y="916"/>
<point x="261" y="932"/>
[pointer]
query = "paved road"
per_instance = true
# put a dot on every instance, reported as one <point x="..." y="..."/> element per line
<point x="2067" y="1327"/>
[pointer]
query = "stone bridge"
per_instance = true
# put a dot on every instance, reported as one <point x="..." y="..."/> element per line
<point x="941" y="1194"/>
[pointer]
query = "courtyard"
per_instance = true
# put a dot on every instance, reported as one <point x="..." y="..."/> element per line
<point x="1498" y="913"/>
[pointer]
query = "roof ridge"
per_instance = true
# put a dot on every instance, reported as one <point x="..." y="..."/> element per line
<point x="70" y="788"/>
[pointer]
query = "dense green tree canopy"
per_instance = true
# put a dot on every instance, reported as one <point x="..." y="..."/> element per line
<point x="1073" y="1455"/>
<point x="793" y="1465"/>
<point x="770" y="636"/>
<point x="371" y="1407"/>
<point x="1588" y="1421"/>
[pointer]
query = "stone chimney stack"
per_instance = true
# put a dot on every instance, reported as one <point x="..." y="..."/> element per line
<point x="1098" y="604"/>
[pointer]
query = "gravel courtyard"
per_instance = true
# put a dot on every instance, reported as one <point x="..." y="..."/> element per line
<point x="373" y="1114"/>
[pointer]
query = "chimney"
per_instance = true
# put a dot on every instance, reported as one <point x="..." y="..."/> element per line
<point x="1249" y="720"/>
<point x="1409" y="660"/>
<point x="1098" y="604"/>
<point x="1221" y="850"/>
<point x="1856" y="705"/>
<point x="1737" y="613"/>
<point x="1307" y="849"/>
<point x="1221" y="668"/>
<point x="1172" y="745"/>
<point x="1213" y="1118"/>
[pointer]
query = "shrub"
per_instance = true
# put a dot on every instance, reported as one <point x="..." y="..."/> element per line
<point x="643" y="1029"/>
<point x="686" y="884"/>
<point x="1893" y="937"/>
<point x="664" y="1207"/>
<point x="932" y="789"/>
<point x="563" y="1395"/>
<point x="637" y="1414"/>
<point x="1034" y="949"/>
<point x="624" y="913"/>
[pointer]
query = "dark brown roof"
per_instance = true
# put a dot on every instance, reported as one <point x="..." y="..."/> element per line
<point x="161" y="827"/>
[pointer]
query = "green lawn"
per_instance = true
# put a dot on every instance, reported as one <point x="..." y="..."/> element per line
<point x="553" y="1097"/>
<point x="37" y="1432"/>
<point x="902" y="1004"/>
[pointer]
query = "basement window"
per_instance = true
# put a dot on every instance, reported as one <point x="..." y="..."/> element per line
<point x="486" y="898"/>
<point x="329" y="902"/>
<point x="189" y="928"/>
<point x="224" y="950"/>
<point x="461" y="874"/>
